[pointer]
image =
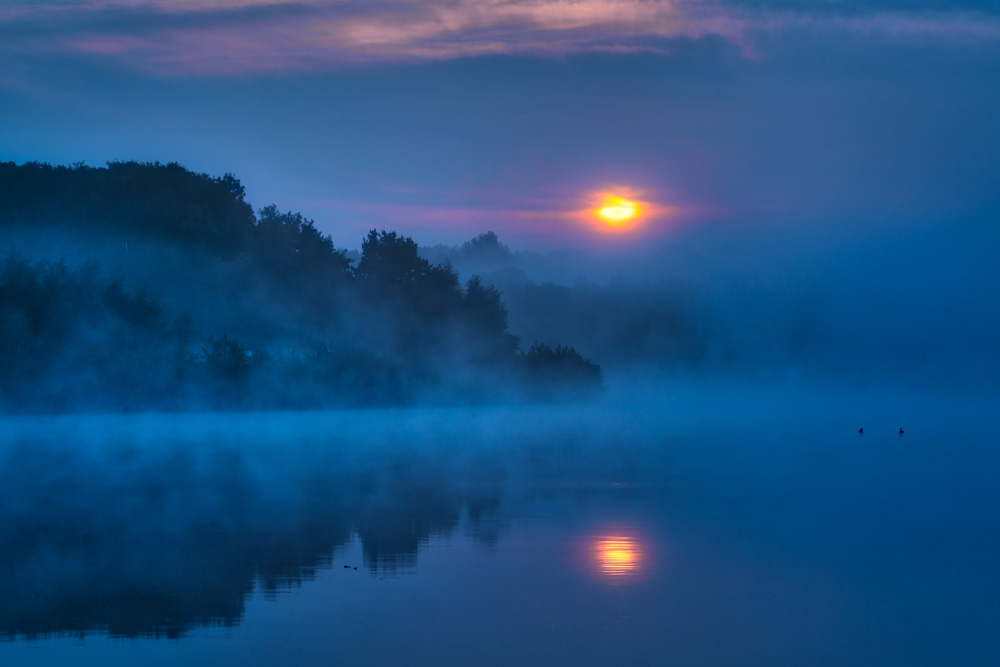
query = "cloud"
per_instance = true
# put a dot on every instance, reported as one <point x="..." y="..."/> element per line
<point x="233" y="36"/>
<point x="225" y="37"/>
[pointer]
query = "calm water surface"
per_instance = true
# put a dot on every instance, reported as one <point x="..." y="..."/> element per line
<point x="711" y="527"/>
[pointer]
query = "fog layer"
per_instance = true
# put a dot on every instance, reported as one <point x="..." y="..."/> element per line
<point x="866" y="303"/>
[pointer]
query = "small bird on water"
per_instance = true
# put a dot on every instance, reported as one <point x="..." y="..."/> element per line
<point x="861" y="431"/>
<point x="901" y="431"/>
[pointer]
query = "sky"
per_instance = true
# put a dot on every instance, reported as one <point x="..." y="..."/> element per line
<point x="829" y="121"/>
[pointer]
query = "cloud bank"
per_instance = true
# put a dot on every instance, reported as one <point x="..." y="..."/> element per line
<point x="232" y="37"/>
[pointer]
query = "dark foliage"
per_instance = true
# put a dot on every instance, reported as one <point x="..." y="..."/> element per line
<point x="226" y="358"/>
<point x="395" y="328"/>
<point x="561" y="370"/>
<point x="68" y="334"/>
<point x="291" y="249"/>
<point x="487" y="247"/>
<point x="132" y="199"/>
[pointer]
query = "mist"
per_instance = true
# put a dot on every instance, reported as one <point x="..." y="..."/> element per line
<point x="188" y="526"/>
<point x="861" y="304"/>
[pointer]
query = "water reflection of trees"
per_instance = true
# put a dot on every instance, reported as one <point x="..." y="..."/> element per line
<point x="138" y="542"/>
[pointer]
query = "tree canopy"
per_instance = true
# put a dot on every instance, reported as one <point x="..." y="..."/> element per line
<point x="195" y="299"/>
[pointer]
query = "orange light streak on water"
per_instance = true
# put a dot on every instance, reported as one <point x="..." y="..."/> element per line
<point x="617" y="555"/>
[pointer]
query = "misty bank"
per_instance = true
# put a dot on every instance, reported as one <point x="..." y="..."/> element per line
<point x="145" y="286"/>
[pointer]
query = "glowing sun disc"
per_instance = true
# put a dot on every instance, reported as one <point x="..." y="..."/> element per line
<point x="613" y="212"/>
<point x="619" y="211"/>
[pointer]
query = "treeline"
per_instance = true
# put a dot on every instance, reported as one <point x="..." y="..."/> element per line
<point x="140" y="199"/>
<point x="189" y="298"/>
<point x="625" y="323"/>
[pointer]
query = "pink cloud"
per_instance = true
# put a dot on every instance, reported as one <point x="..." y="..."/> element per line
<point x="224" y="37"/>
<point x="317" y="35"/>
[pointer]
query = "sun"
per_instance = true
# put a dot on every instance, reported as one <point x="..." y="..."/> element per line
<point x="614" y="212"/>
<point x="618" y="210"/>
<point x="622" y="211"/>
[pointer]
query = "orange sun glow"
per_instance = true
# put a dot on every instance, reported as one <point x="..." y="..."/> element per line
<point x="618" y="211"/>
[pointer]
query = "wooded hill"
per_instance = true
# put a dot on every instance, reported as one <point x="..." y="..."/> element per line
<point x="148" y="286"/>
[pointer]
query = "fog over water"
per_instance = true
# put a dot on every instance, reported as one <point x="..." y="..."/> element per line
<point x="693" y="521"/>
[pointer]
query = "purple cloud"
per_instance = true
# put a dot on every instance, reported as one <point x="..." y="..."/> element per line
<point x="224" y="37"/>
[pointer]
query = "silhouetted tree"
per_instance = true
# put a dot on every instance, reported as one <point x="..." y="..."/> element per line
<point x="486" y="247"/>
<point x="134" y="199"/>
<point x="485" y="314"/>
<point x="226" y="358"/>
<point x="389" y="260"/>
<point x="290" y="246"/>
<point x="484" y="307"/>
<point x="562" y="368"/>
<point x="419" y="296"/>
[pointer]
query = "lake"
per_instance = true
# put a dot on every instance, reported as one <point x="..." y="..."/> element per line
<point x="675" y="523"/>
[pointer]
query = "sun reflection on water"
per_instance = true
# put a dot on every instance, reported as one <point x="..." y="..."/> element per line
<point x="618" y="555"/>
